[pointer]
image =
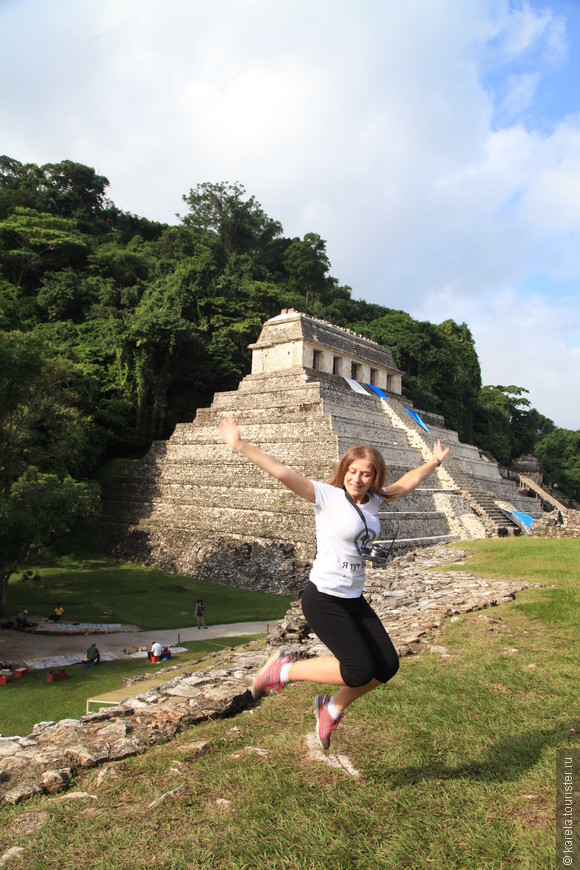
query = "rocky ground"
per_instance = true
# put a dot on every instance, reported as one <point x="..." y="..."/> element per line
<point x="409" y="596"/>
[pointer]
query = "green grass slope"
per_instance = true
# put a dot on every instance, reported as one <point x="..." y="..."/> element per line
<point x="456" y="759"/>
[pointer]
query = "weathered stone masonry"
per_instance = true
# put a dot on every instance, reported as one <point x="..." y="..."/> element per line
<point x="195" y="507"/>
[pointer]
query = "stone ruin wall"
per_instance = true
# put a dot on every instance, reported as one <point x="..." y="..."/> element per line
<point x="557" y="524"/>
<point x="195" y="507"/>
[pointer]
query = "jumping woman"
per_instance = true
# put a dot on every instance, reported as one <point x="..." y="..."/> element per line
<point x="346" y="511"/>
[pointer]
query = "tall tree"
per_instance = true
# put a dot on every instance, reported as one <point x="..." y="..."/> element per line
<point x="457" y="380"/>
<point x="559" y="453"/>
<point x="222" y="208"/>
<point x="498" y="418"/>
<point x="40" y="421"/>
<point x="43" y="441"/>
<point x="35" y="242"/>
<point x="307" y="266"/>
<point x="38" y="510"/>
<point x="73" y="190"/>
<point x="67" y="189"/>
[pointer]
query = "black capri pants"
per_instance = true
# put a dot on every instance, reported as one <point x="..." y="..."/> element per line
<point x="354" y="634"/>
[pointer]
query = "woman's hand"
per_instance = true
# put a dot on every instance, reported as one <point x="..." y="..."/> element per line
<point x="302" y="486"/>
<point x="228" y="429"/>
<point x="409" y="481"/>
<point x="440" y="453"/>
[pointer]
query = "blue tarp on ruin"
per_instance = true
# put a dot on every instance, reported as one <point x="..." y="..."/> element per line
<point x="416" y="418"/>
<point x="378" y="391"/>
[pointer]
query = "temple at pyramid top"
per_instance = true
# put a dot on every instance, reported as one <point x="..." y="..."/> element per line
<point x="293" y="339"/>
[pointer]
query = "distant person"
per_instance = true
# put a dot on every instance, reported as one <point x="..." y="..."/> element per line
<point x="93" y="655"/>
<point x="56" y="614"/>
<point x="199" y="611"/>
<point x="346" y="510"/>
<point x="22" y="619"/>
<point x="165" y="654"/>
<point x="155" y="651"/>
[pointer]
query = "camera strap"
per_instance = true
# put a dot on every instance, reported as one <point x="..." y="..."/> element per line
<point x="361" y="515"/>
<point x="367" y="535"/>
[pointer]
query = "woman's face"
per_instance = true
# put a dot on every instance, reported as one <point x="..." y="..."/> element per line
<point x="359" y="477"/>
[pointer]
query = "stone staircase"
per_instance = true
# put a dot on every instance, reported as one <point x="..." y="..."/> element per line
<point x="544" y="496"/>
<point x="194" y="506"/>
<point x="427" y="516"/>
<point x="476" y="478"/>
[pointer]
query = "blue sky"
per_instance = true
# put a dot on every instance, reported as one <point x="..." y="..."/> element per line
<point x="434" y="144"/>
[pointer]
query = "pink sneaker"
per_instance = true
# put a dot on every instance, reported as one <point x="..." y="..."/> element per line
<point x="268" y="678"/>
<point x="325" y="724"/>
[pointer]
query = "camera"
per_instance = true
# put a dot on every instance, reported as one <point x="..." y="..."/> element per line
<point x="376" y="554"/>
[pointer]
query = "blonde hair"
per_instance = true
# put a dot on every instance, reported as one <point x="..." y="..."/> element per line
<point x="372" y="455"/>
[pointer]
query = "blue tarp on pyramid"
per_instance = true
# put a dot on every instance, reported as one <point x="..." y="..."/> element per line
<point x="378" y="391"/>
<point x="416" y="418"/>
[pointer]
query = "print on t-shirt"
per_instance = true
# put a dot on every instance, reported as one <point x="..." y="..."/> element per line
<point x="364" y="540"/>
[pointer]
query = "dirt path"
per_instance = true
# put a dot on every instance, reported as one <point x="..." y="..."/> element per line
<point x="18" y="646"/>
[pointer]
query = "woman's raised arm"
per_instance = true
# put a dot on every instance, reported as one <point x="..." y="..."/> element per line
<point x="411" y="480"/>
<point x="228" y="429"/>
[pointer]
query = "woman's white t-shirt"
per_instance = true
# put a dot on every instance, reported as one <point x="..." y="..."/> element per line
<point x="338" y="568"/>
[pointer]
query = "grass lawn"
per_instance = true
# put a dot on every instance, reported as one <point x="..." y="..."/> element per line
<point x="93" y="587"/>
<point x="456" y="759"/>
<point x="554" y="564"/>
<point x="32" y="699"/>
<point x="97" y="588"/>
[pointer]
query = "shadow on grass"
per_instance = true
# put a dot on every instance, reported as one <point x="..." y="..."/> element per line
<point x="507" y="760"/>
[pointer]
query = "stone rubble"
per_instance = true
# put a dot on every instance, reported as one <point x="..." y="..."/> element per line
<point x="169" y="795"/>
<point x="411" y="599"/>
<point x="409" y="596"/>
<point x="557" y="524"/>
<point x="14" y="852"/>
<point x="329" y="758"/>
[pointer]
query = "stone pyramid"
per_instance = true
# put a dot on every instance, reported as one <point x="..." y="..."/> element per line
<point x="195" y="507"/>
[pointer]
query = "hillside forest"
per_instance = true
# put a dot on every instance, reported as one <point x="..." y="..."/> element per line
<point x="113" y="328"/>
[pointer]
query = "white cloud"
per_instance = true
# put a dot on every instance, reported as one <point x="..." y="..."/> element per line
<point x="519" y="96"/>
<point x="525" y="27"/>
<point x="526" y="341"/>
<point x="516" y="32"/>
<point x="552" y="200"/>
<point x="403" y="133"/>
<point x="249" y="113"/>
